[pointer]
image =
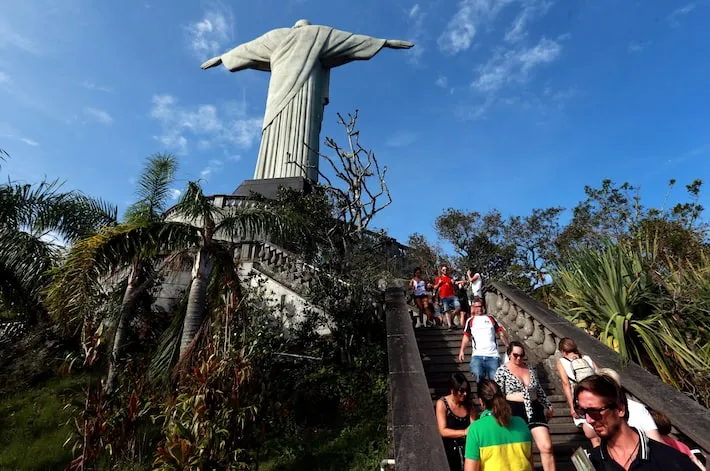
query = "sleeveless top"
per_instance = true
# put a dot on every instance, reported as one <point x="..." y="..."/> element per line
<point x="455" y="422"/>
<point x="419" y="287"/>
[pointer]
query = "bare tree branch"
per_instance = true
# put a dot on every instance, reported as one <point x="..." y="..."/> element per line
<point x="355" y="202"/>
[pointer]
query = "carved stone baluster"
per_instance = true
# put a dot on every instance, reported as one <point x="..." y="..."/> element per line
<point x="520" y="319"/>
<point x="529" y="326"/>
<point x="538" y="335"/>
<point x="491" y="304"/>
<point x="550" y="344"/>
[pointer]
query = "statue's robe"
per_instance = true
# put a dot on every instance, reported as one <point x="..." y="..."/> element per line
<point x="299" y="60"/>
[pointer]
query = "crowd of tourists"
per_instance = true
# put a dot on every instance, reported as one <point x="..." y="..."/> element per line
<point x="496" y="431"/>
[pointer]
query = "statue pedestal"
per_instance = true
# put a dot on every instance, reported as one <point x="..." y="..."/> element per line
<point x="269" y="187"/>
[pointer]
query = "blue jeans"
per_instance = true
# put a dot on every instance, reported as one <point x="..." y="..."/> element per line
<point x="484" y="367"/>
<point x="451" y="303"/>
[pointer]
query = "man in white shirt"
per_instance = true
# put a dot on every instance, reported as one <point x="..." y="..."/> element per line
<point x="482" y="330"/>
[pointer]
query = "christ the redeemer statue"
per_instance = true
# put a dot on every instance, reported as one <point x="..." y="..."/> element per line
<point x="299" y="59"/>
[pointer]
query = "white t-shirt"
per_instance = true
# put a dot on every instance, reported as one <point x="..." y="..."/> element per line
<point x="640" y="417"/>
<point x="476" y="286"/>
<point x="482" y="330"/>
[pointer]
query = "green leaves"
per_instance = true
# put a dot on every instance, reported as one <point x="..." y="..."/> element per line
<point x="153" y="190"/>
<point x="635" y="309"/>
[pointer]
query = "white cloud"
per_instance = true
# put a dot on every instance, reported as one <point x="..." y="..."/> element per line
<point x="674" y="17"/>
<point x="29" y="142"/>
<point x="95" y="87"/>
<point x="11" y="39"/>
<point x="98" y="115"/>
<point x="213" y="165"/>
<point x="442" y="81"/>
<point x="175" y="194"/>
<point x="401" y="139"/>
<point x="531" y="10"/>
<point x="514" y="65"/>
<point x="415" y="20"/>
<point x="635" y="47"/>
<point x="462" y="27"/>
<point x="5" y="78"/>
<point x="228" y="126"/>
<point x="208" y="36"/>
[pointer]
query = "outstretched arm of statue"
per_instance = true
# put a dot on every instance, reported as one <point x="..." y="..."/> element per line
<point x="398" y="44"/>
<point x="215" y="61"/>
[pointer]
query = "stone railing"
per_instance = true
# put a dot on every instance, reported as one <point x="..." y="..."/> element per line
<point x="417" y="444"/>
<point x="284" y="266"/>
<point x="540" y="329"/>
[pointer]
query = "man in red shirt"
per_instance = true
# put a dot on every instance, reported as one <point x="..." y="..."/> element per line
<point x="447" y="292"/>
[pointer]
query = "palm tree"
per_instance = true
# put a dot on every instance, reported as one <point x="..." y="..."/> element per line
<point x="153" y="193"/>
<point x="36" y="221"/>
<point x="209" y="220"/>
<point x="143" y="246"/>
<point x="127" y="251"/>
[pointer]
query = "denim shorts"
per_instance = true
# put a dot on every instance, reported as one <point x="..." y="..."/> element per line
<point x="450" y="303"/>
<point x="484" y="367"/>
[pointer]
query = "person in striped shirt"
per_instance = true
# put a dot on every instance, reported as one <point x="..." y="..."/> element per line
<point x="498" y="440"/>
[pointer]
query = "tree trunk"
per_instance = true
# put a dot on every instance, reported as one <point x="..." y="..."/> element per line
<point x="124" y="317"/>
<point x="195" y="313"/>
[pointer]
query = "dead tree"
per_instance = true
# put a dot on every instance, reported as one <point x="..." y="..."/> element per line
<point x="360" y="191"/>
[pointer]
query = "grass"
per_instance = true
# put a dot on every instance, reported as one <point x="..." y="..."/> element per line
<point x="33" y="425"/>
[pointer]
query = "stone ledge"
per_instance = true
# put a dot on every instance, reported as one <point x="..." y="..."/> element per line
<point x="417" y="444"/>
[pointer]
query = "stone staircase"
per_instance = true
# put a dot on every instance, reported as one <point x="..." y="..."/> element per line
<point x="439" y="349"/>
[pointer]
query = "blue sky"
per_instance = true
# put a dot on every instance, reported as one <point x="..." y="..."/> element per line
<point x="508" y="104"/>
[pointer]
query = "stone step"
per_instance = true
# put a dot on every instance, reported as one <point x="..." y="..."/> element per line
<point x="434" y="346"/>
<point x="439" y="375"/>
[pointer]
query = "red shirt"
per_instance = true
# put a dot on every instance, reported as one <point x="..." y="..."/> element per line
<point x="680" y="446"/>
<point x="446" y="288"/>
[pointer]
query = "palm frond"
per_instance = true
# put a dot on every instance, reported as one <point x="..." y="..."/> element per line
<point x="195" y="207"/>
<point x="168" y="348"/>
<point x="92" y="260"/>
<point x="153" y="189"/>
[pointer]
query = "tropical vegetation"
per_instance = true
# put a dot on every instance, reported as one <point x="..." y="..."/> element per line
<point x="214" y="382"/>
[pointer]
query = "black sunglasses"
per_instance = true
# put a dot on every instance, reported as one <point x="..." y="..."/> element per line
<point x="517" y="355"/>
<point x="594" y="412"/>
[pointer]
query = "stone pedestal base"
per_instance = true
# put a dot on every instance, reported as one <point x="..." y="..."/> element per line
<point x="269" y="187"/>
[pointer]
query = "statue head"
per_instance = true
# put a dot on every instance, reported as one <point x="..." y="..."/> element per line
<point x="300" y="23"/>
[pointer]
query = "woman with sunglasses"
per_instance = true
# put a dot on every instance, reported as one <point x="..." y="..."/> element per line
<point x="454" y="414"/>
<point x="527" y="399"/>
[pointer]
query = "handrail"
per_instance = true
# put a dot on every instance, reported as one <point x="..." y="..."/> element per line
<point x="417" y="443"/>
<point x="544" y="325"/>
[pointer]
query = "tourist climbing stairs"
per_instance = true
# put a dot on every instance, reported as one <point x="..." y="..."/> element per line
<point x="439" y="349"/>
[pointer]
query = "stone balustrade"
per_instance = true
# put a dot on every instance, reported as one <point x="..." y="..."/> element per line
<point x="414" y="432"/>
<point x="540" y="330"/>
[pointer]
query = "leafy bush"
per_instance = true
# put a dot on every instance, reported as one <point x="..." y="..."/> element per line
<point x="652" y="312"/>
